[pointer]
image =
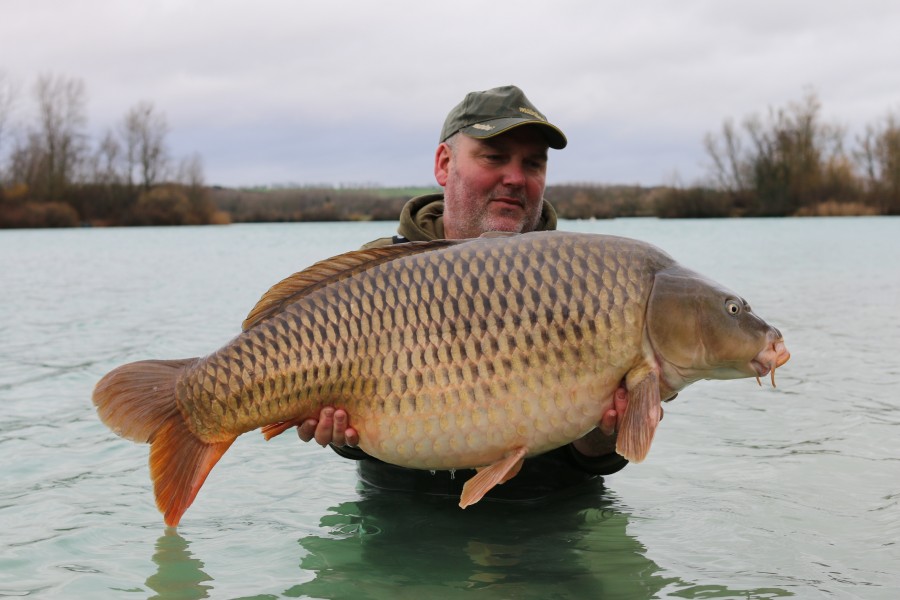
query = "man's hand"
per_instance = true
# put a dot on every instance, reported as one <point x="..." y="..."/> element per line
<point x="609" y="424"/>
<point x="602" y="440"/>
<point x="331" y="428"/>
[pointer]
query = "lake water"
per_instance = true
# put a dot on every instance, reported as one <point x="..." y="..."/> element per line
<point x="748" y="492"/>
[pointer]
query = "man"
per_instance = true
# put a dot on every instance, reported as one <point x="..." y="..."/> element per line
<point x="492" y="163"/>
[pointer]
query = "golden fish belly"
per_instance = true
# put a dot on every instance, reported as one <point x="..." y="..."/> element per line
<point x="443" y="359"/>
<point x="469" y="434"/>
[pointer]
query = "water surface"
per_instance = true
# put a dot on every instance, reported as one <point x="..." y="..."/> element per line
<point x="748" y="492"/>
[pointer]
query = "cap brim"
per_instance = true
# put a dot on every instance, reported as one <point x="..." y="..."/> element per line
<point x="556" y="139"/>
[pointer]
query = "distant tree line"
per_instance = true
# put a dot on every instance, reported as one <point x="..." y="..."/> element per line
<point x="792" y="163"/>
<point x="316" y="203"/>
<point x="595" y="201"/>
<point x="788" y="163"/>
<point x="324" y="203"/>
<point x="53" y="175"/>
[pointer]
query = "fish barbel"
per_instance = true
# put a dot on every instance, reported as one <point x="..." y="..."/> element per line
<point x="447" y="355"/>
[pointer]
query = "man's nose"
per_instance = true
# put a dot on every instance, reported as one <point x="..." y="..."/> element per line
<point x="514" y="174"/>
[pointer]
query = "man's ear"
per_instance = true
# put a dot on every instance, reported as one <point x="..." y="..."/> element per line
<point x="442" y="164"/>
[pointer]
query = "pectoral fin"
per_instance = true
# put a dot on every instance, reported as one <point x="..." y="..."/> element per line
<point x="641" y="416"/>
<point x="487" y="477"/>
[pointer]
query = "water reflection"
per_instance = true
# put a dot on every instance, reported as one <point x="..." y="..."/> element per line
<point x="394" y="546"/>
<point x="179" y="576"/>
<point x="390" y="545"/>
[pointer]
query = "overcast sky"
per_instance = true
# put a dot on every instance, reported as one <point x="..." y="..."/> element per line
<point x="341" y="92"/>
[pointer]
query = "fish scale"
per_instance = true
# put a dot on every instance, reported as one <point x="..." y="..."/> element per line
<point x="510" y="329"/>
<point x="445" y="355"/>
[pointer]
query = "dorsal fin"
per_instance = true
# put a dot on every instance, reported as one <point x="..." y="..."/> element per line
<point x="330" y="270"/>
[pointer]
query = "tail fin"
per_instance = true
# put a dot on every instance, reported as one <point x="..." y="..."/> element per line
<point x="137" y="401"/>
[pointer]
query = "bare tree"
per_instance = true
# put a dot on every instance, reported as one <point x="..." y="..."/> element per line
<point x="728" y="159"/>
<point x="107" y="160"/>
<point x="25" y="160"/>
<point x="8" y="96"/>
<point x="791" y="159"/>
<point x="60" y="136"/>
<point x="190" y="171"/>
<point x="144" y="130"/>
<point x="879" y="157"/>
<point x="866" y="155"/>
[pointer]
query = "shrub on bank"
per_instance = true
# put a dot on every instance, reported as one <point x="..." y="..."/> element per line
<point x="37" y="215"/>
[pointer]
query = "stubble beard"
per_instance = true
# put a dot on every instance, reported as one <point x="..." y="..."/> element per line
<point x="485" y="218"/>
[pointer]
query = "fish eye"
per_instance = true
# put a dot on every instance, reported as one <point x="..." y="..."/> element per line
<point x="732" y="307"/>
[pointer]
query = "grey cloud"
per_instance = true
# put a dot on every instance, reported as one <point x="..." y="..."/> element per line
<point x="303" y="91"/>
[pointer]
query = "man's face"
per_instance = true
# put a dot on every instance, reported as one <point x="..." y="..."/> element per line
<point x="495" y="184"/>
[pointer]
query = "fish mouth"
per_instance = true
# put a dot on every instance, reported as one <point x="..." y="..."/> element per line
<point x="770" y="358"/>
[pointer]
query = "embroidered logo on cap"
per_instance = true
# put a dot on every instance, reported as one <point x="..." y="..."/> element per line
<point x="533" y="113"/>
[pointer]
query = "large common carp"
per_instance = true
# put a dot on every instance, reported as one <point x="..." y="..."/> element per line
<point x="448" y="354"/>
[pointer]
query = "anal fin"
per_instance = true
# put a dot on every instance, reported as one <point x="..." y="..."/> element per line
<point x="487" y="477"/>
<point x="270" y="431"/>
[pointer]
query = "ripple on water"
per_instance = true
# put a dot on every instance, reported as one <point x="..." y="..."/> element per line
<point x="747" y="492"/>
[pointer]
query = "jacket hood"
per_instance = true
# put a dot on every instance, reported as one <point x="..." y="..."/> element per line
<point x="422" y="218"/>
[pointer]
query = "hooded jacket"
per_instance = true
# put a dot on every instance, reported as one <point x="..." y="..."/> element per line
<point x="422" y="220"/>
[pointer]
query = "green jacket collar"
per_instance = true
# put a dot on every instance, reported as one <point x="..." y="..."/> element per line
<point x="422" y="218"/>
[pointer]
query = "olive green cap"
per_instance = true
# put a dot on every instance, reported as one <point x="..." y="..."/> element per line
<point x="485" y="114"/>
